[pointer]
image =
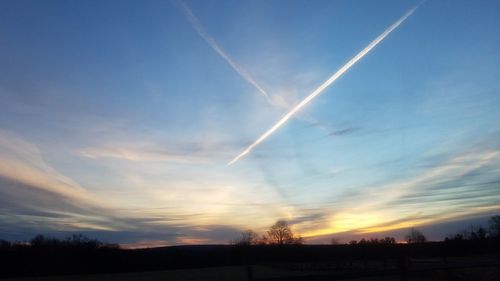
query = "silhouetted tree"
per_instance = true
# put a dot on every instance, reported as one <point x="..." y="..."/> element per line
<point x="385" y="240"/>
<point x="472" y="233"/>
<point x="280" y="233"/>
<point x="454" y="237"/>
<point x="299" y="240"/>
<point x="263" y="240"/>
<point x="76" y="241"/>
<point x="248" y="237"/>
<point x="415" y="236"/>
<point x="81" y="241"/>
<point x="40" y="240"/>
<point x="363" y="241"/>
<point x="481" y="233"/>
<point x="494" y="223"/>
<point x="388" y="240"/>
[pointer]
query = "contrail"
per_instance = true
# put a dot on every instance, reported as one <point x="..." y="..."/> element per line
<point x="327" y="83"/>
<point x="195" y="23"/>
<point x="213" y="44"/>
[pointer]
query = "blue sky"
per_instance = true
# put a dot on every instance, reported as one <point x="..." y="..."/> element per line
<point x="118" y="118"/>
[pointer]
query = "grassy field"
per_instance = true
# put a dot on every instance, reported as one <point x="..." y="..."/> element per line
<point x="228" y="273"/>
<point x="271" y="272"/>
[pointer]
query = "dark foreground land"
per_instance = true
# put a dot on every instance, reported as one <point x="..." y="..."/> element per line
<point x="466" y="260"/>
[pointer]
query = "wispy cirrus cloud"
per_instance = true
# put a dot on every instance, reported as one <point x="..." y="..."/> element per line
<point x="141" y="155"/>
<point x="461" y="186"/>
<point x="35" y="194"/>
<point x="37" y="198"/>
<point x="22" y="161"/>
<point x="141" y="148"/>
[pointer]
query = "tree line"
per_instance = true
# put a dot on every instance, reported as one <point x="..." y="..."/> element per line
<point x="280" y="233"/>
<point x="75" y="241"/>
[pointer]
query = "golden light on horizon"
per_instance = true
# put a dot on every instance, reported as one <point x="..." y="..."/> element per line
<point x="348" y="221"/>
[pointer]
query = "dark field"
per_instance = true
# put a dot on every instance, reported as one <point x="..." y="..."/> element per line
<point x="428" y="261"/>
<point x="290" y="271"/>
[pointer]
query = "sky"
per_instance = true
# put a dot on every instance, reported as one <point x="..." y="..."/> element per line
<point x="118" y="119"/>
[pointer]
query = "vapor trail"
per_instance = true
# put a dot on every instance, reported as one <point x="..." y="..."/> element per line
<point x="195" y="23"/>
<point x="327" y="83"/>
<point x="213" y="44"/>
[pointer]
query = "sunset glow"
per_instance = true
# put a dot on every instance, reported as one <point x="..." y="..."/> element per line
<point x="118" y="118"/>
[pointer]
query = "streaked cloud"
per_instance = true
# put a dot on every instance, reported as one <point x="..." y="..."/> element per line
<point x="342" y="132"/>
<point x="22" y="161"/>
<point x="441" y="193"/>
<point x="38" y="198"/>
<point x="142" y="154"/>
<point x="121" y="129"/>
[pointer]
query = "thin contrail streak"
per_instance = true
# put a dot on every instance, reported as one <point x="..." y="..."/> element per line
<point x="323" y="86"/>
<point x="213" y="44"/>
<point x="195" y="23"/>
